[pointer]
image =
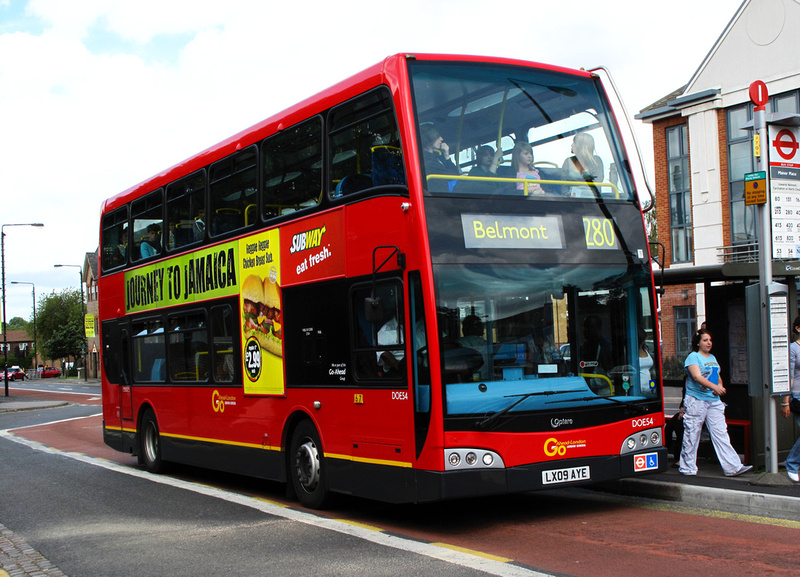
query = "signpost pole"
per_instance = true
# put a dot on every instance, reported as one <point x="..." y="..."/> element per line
<point x="759" y="96"/>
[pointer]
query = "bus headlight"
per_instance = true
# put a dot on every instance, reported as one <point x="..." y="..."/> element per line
<point x="472" y="459"/>
<point x="641" y="440"/>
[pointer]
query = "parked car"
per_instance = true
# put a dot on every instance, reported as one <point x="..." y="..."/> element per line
<point x="15" y="374"/>
<point x="565" y="351"/>
<point x="50" y="372"/>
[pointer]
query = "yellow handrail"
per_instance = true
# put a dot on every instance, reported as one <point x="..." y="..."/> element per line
<point x="603" y="377"/>
<point x="523" y="180"/>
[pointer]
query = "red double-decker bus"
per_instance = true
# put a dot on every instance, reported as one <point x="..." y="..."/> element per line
<point x="429" y="281"/>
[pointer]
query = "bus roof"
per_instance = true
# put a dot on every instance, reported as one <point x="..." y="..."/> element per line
<point x="385" y="72"/>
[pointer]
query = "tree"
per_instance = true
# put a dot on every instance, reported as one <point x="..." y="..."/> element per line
<point x="59" y="324"/>
<point x="652" y="224"/>
<point x="17" y="324"/>
<point x="67" y="341"/>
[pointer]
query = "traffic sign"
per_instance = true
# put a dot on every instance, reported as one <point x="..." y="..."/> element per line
<point x="759" y="94"/>
<point x="755" y="188"/>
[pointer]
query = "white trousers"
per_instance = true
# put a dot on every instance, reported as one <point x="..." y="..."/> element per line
<point x="712" y="413"/>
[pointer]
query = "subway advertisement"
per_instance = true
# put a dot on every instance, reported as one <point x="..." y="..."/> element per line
<point x="256" y="267"/>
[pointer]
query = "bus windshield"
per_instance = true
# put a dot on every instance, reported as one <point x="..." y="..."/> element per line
<point x="515" y="131"/>
<point x="549" y="336"/>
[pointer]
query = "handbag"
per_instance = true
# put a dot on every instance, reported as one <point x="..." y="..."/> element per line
<point x="794" y="406"/>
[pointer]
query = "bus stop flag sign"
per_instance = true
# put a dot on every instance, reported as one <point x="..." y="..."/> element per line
<point x="755" y="188"/>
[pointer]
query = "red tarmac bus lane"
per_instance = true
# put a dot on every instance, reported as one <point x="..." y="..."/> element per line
<point x="594" y="538"/>
<point x="554" y="532"/>
<point x="81" y="435"/>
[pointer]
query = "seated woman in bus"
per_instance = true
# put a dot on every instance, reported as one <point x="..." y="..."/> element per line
<point x="150" y="244"/>
<point x="487" y="161"/>
<point x="522" y="166"/>
<point x="436" y="155"/>
<point x="584" y="166"/>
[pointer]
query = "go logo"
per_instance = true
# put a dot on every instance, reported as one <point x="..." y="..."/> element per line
<point x="217" y="403"/>
<point x="552" y="448"/>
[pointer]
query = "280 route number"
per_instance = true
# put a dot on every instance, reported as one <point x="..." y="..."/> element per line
<point x="599" y="233"/>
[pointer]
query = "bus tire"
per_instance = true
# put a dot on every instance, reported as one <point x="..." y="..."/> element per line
<point x="307" y="466"/>
<point x="150" y="443"/>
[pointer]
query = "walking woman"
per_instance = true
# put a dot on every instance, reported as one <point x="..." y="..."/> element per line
<point x="703" y="405"/>
<point x="793" y="460"/>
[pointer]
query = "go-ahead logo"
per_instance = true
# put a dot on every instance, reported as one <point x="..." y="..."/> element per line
<point x="554" y="447"/>
<point x="218" y="401"/>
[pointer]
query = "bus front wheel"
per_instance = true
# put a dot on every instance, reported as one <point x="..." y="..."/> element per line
<point x="308" y="467"/>
<point x="150" y="443"/>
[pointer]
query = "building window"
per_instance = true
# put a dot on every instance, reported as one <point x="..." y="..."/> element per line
<point x="680" y="198"/>
<point x="685" y="320"/>
<point x="740" y="162"/>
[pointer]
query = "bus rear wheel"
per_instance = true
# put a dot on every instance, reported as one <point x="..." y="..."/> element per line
<point x="307" y="467"/>
<point x="150" y="443"/>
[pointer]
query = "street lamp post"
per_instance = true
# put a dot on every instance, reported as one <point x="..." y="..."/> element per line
<point x="3" y="266"/>
<point x="35" y="349"/>
<point x="83" y="315"/>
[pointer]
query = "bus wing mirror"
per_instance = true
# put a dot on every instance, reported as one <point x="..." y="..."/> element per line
<point x="373" y="310"/>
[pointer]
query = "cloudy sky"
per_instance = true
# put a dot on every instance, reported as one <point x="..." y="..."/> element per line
<point x="97" y="95"/>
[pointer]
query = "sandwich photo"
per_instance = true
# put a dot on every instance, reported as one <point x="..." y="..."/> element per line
<point x="261" y="312"/>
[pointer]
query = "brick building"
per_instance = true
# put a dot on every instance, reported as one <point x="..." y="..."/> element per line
<point x="90" y="273"/>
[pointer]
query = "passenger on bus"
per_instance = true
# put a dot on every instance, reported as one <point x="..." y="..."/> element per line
<point x="199" y="226"/>
<point x="436" y="156"/>
<point x="584" y="166"/>
<point x="486" y="165"/>
<point x="522" y="165"/>
<point x="472" y="329"/>
<point x="150" y="244"/>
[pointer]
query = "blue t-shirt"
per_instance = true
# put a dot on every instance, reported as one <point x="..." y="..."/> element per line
<point x="709" y="368"/>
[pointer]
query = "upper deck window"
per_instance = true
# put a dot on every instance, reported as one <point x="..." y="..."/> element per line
<point x="186" y="210"/>
<point x="148" y="222"/>
<point x="293" y="169"/>
<point x="365" y="146"/>
<point x="115" y="239"/>
<point x="488" y="129"/>
<point x="232" y="192"/>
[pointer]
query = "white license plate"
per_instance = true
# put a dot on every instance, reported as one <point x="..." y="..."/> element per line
<point x="569" y="475"/>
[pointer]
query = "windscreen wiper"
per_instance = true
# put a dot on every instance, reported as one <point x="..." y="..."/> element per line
<point x="637" y="408"/>
<point x="495" y="416"/>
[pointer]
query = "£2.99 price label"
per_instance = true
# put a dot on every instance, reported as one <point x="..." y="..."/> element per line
<point x="252" y="361"/>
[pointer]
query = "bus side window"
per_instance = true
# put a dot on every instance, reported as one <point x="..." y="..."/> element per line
<point x="148" y="223"/>
<point x="364" y="144"/>
<point x="149" y="351"/>
<point x="223" y="331"/>
<point x="232" y="191"/>
<point x="188" y="347"/>
<point x="378" y="346"/>
<point x="186" y="210"/>
<point x="293" y="169"/>
<point x="115" y="239"/>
